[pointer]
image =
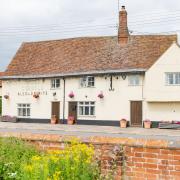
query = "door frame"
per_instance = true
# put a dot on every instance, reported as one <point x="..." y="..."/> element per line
<point x="140" y="125"/>
<point x="76" y="109"/>
<point x="52" y="107"/>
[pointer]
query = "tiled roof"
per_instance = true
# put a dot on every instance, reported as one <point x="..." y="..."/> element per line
<point x="88" y="54"/>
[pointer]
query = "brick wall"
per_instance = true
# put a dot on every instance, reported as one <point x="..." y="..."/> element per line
<point x="152" y="163"/>
<point x="123" y="158"/>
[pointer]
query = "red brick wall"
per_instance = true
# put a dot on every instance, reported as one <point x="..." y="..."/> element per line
<point x="126" y="162"/>
<point x="123" y="158"/>
<point x="148" y="163"/>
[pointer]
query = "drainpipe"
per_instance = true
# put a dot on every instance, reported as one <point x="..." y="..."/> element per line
<point x="64" y="99"/>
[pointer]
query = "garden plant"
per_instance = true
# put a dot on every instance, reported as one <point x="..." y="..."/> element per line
<point x="19" y="160"/>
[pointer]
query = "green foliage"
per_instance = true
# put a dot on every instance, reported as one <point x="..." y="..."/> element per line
<point x="75" y="162"/>
<point x="13" y="153"/>
<point x="21" y="161"/>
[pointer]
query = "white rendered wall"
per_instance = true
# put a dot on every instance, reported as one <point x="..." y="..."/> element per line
<point x="114" y="106"/>
<point x="162" y="102"/>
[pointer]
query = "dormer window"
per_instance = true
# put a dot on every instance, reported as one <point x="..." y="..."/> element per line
<point x="87" y="81"/>
<point x="55" y="83"/>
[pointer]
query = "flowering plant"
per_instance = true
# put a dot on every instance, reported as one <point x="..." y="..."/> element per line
<point x="147" y="121"/>
<point x="6" y="96"/>
<point x="36" y="95"/>
<point x="123" y="119"/>
<point x="100" y="95"/>
<point x="7" y="118"/>
<point x="71" y="94"/>
<point x="75" y="161"/>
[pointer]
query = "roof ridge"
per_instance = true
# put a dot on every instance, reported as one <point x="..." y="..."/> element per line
<point x="95" y="37"/>
<point x="73" y="38"/>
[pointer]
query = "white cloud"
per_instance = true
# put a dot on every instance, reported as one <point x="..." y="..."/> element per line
<point x="23" y="13"/>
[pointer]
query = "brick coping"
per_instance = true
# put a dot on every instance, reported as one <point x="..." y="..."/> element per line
<point x="128" y="141"/>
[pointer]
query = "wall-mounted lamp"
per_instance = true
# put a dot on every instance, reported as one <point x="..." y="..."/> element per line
<point x="123" y="76"/>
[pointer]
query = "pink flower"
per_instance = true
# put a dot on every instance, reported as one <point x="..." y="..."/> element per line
<point x="100" y="95"/>
<point x="71" y="94"/>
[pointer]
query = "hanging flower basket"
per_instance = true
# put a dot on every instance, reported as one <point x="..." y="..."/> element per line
<point x="71" y="95"/>
<point x="36" y="95"/>
<point x="6" y="96"/>
<point x="100" y="95"/>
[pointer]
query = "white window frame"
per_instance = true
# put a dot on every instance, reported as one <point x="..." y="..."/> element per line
<point x="55" y="84"/>
<point x="84" y="105"/>
<point x="134" y="80"/>
<point x="87" y="81"/>
<point x="172" y="78"/>
<point x="24" y="110"/>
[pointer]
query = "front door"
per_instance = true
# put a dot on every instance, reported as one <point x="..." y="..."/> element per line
<point x="136" y="113"/>
<point x="55" y="110"/>
<point x="73" y="110"/>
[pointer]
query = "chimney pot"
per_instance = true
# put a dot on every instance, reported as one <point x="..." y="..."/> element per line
<point x="123" y="7"/>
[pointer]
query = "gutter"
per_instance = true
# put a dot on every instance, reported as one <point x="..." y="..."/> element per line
<point x="75" y="74"/>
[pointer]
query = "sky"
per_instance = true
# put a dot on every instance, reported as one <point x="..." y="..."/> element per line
<point x="38" y="20"/>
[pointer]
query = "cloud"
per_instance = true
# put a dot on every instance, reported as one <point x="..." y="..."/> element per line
<point x="19" y="16"/>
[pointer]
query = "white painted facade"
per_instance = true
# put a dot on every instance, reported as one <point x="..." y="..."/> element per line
<point x="114" y="106"/>
<point x="160" y="101"/>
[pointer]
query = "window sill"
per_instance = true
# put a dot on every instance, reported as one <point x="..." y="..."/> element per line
<point x="25" y="117"/>
<point x="55" y="89"/>
<point x="172" y="85"/>
<point x="134" y="85"/>
<point x="86" y="116"/>
<point x="87" y="87"/>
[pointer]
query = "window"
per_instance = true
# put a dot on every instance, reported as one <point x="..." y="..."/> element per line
<point x="24" y="110"/>
<point x="87" y="81"/>
<point x="134" y="80"/>
<point x="86" y="108"/>
<point x="55" y="83"/>
<point x="173" y="78"/>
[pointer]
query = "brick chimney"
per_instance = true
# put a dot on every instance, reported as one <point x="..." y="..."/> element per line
<point x="123" y="33"/>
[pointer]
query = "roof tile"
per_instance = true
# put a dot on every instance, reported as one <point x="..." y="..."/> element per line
<point x="88" y="54"/>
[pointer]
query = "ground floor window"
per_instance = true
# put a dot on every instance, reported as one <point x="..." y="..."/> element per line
<point x="86" y="108"/>
<point x="24" y="110"/>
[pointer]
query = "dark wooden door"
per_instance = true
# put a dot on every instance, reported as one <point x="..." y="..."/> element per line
<point x="55" y="109"/>
<point x="136" y="113"/>
<point x="73" y="110"/>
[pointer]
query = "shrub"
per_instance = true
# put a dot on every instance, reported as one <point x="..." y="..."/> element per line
<point x="75" y="162"/>
<point x="13" y="153"/>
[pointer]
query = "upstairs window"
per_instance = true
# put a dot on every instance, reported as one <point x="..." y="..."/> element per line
<point x="134" y="80"/>
<point x="173" y="78"/>
<point x="87" y="81"/>
<point x="55" y="83"/>
<point x="86" y="108"/>
<point x="24" y="110"/>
